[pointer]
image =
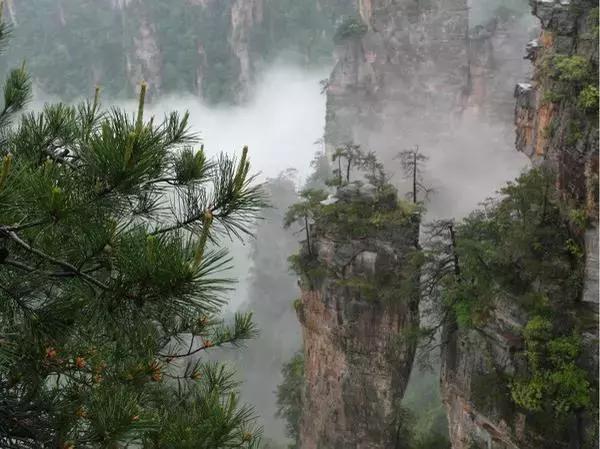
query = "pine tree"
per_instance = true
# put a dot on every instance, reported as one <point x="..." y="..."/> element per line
<point x="111" y="280"/>
<point x="412" y="164"/>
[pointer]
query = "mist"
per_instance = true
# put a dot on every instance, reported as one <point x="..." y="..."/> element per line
<point x="280" y="125"/>
<point x="468" y="161"/>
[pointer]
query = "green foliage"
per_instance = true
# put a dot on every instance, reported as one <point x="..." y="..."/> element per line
<point x="84" y="44"/>
<point x="573" y="77"/>
<point x="517" y="248"/>
<point x="106" y="292"/>
<point x="350" y="28"/>
<point x="588" y="98"/>
<point x="521" y="249"/>
<point x="579" y="218"/>
<point x="571" y="69"/>
<point x="412" y="165"/>
<point x="407" y="436"/>
<point x="432" y="441"/>
<point x="491" y="395"/>
<point x="305" y="210"/>
<point x="16" y="87"/>
<point x="574" y="131"/>
<point x="297" y="304"/>
<point x="554" y="382"/>
<point x="593" y="19"/>
<point x="364" y="215"/>
<point x="289" y="396"/>
<point x="356" y="212"/>
<point x="367" y="288"/>
<point x="307" y="266"/>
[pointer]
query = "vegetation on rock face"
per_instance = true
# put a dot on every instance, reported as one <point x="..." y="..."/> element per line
<point x="588" y="98"/>
<point x="521" y="251"/>
<point x="572" y="76"/>
<point x="419" y="429"/>
<point x="301" y="30"/>
<point x="350" y="28"/>
<point x="428" y="424"/>
<point x="289" y="396"/>
<point x="105" y="290"/>
<point x="554" y="381"/>
<point x="413" y="162"/>
<point x="519" y="248"/>
<point x="356" y="211"/>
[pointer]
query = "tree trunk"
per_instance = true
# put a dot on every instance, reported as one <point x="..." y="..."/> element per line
<point x="309" y="246"/>
<point x="348" y="170"/>
<point x="415" y="177"/>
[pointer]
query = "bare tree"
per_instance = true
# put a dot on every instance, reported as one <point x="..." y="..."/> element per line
<point x="412" y="164"/>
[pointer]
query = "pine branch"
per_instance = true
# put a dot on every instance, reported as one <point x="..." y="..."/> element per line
<point x="13" y="236"/>
<point x="56" y="274"/>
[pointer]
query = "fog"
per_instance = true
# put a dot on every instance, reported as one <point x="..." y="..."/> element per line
<point x="470" y="165"/>
<point x="280" y="125"/>
<point x="468" y="162"/>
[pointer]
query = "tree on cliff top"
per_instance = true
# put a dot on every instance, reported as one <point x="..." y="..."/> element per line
<point x="412" y="164"/>
<point x="111" y="277"/>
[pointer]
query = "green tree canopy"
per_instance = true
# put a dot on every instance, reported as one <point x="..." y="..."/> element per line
<point x="111" y="280"/>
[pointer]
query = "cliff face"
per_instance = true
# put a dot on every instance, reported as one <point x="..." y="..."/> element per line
<point x="495" y="55"/>
<point x="557" y="125"/>
<point x="245" y="16"/>
<point x="555" y="114"/>
<point x="127" y="41"/>
<point x="357" y="353"/>
<point x="407" y="67"/>
<point x="418" y="74"/>
<point x="212" y="48"/>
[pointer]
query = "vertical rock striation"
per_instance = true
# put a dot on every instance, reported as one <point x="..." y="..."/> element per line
<point x="144" y="62"/>
<point x="552" y="123"/>
<point x="355" y="322"/>
<point x="557" y="113"/>
<point x="557" y="125"/>
<point x="213" y="48"/>
<point x="495" y="63"/>
<point x="407" y="67"/>
<point x="245" y="16"/>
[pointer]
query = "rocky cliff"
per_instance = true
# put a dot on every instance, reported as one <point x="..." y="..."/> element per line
<point x="399" y="65"/>
<point x="357" y="311"/>
<point x="557" y="126"/>
<point x="555" y="114"/>
<point x="495" y="53"/>
<point x="211" y="48"/>
<point x="198" y="46"/>
<point x="418" y="73"/>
